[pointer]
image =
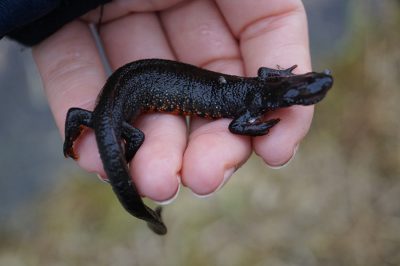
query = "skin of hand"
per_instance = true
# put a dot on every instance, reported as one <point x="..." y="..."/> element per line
<point x="229" y="36"/>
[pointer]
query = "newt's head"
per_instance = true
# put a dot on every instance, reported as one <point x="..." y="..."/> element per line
<point x="304" y="89"/>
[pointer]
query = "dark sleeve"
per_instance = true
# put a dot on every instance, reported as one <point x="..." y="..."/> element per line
<point x="31" y="21"/>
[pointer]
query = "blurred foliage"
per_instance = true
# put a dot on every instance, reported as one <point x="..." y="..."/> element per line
<point x="337" y="203"/>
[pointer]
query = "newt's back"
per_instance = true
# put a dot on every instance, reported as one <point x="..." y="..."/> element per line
<point x="169" y="86"/>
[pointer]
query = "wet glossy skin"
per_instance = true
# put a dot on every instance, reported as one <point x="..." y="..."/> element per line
<point x="155" y="85"/>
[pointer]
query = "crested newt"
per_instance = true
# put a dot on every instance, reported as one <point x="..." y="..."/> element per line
<point x="157" y="85"/>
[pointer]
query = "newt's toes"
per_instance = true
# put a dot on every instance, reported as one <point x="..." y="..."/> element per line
<point x="69" y="152"/>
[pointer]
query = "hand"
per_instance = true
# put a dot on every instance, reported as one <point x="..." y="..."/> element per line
<point x="235" y="37"/>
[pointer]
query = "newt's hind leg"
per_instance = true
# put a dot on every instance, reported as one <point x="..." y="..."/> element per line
<point x="251" y="125"/>
<point x="76" y="119"/>
<point x="133" y="140"/>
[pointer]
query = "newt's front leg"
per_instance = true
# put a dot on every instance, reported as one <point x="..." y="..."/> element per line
<point x="251" y="125"/>
<point x="76" y="119"/>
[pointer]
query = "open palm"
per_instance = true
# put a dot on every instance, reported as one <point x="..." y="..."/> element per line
<point x="234" y="37"/>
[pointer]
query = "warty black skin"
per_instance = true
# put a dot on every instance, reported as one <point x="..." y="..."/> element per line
<point x="156" y="85"/>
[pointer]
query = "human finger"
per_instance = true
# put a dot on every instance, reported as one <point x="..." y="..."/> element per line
<point x="273" y="33"/>
<point x="198" y="34"/>
<point x="72" y="75"/>
<point x="121" y="8"/>
<point x="156" y="166"/>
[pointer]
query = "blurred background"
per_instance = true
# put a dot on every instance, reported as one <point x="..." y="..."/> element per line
<point x="337" y="203"/>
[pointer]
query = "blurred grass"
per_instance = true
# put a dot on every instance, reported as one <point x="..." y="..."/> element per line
<point x="337" y="203"/>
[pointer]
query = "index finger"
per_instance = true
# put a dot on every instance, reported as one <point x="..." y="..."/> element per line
<point x="72" y="74"/>
<point x="273" y="33"/>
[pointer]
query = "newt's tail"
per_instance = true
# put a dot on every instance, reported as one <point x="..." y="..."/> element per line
<point x="158" y="227"/>
<point x="130" y="199"/>
<point x="116" y="167"/>
<point x="133" y="203"/>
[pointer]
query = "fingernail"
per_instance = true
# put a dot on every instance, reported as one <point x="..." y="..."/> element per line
<point x="104" y="180"/>
<point x="168" y="201"/>
<point x="228" y="173"/>
<point x="287" y="162"/>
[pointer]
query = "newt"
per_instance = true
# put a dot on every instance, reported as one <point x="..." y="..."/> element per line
<point x="157" y="85"/>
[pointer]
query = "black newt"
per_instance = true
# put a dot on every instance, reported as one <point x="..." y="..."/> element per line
<point x="156" y="85"/>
